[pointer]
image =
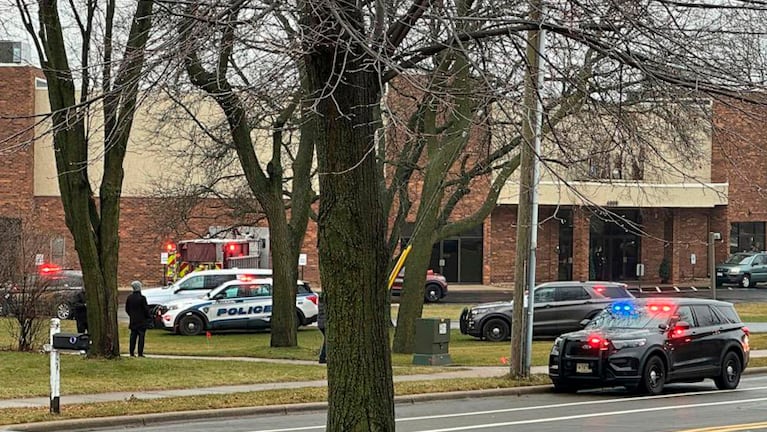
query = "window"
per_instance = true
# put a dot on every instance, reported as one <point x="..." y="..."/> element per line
<point x="193" y="283"/>
<point x="544" y="295"/>
<point x="684" y="313"/>
<point x="746" y="236"/>
<point x="572" y="293"/>
<point x="705" y="316"/>
<point x="728" y="313"/>
<point x="214" y="281"/>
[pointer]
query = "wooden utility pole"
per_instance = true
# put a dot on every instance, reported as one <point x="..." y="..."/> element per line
<point x="525" y="209"/>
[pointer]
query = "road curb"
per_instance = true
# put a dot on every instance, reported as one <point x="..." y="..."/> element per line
<point x="175" y="416"/>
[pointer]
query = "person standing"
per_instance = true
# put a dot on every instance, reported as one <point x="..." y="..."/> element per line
<point x="138" y="311"/>
<point x="321" y="326"/>
<point x="80" y="312"/>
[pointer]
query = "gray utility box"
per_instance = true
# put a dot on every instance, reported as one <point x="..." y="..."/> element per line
<point x="71" y="341"/>
<point x="432" y="337"/>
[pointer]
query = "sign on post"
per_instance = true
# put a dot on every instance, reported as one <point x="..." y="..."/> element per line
<point x="693" y="259"/>
<point x="164" y="258"/>
<point x="39" y="259"/>
<point x="640" y="270"/>
<point x="302" y="259"/>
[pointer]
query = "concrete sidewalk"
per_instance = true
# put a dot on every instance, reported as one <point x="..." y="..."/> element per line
<point x="460" y="372"/>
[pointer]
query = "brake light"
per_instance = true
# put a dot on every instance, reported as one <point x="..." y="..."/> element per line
<point x="597" y="342"/>
<point x="312" y="298"/>
<point x="599" y="288"/>
<point x="746" y="331"/>
<point x="49" y="268"/>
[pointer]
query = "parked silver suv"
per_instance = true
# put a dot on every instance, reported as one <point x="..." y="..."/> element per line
<point x="559" y="308"/>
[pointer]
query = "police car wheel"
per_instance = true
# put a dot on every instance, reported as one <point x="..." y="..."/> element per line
<point x="190" y="325"/>
<point x="654" y="376"/>
<point x="729" y="378"/>
<point x="495" y="330"/>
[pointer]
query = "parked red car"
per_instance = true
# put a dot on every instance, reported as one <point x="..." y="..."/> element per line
<point x="436" y="286"/>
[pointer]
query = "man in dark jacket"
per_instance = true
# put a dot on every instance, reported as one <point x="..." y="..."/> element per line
<point x="80" y="312"/>
<point x="138" y="311"/>
<point x="321" y="326"/>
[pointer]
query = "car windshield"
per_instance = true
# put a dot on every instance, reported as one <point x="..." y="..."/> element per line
<point x="628" y="315"/>
<point x="738" y="259"/>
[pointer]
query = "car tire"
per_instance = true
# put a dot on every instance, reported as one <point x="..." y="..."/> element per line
<point x="63" y="311"/>
<point x="190" y="325"/>
<point x="495" y="330"/>
<point x="653" y="376"/>
<point x="564" y="387"/>
<point x="729" y="377"/>
<point x="299" y="318"/>
<point x="433" y="293"/>
<point x="745" y="282"/>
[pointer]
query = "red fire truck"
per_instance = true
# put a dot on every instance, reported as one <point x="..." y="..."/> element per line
<point x="211" y="253"/>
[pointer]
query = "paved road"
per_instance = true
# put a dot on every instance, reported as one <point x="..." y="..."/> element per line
<point x="687" y="407"/>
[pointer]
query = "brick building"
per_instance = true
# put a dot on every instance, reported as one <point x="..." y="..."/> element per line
<point x="658" y="216"/>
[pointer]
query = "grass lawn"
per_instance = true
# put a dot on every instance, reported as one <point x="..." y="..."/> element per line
<point x="271" y="397"/>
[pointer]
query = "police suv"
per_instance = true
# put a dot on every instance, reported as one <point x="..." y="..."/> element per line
<point x="198" y="284"/>
<point x="235" y="305"/>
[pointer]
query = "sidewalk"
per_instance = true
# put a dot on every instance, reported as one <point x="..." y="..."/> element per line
<point x="460" y="372"/>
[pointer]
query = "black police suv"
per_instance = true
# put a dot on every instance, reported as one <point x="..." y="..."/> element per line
<point x="642" y="344"/>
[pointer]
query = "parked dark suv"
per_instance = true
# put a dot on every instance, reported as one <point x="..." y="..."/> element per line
<point x="54" y="290"/>
<point x="643" y="344"/>
<point x="559" y="307"/>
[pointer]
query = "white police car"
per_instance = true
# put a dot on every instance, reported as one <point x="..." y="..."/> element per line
<point x="235" y="305"/>
<point x="199" y="283"/>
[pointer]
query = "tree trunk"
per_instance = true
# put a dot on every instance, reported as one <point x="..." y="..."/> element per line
<point x="284" y="277"/>
<point x="343" y="83"/>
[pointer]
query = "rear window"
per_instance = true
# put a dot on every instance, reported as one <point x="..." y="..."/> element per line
<point x="612" y="291"/>
<point x="303" y="288"/>
<point x="728" y="313"/>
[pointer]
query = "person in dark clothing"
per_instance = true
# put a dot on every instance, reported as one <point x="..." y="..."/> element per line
<point x="80" y="312"/>
<point x="138" y="311"/>
<point x="321" y="326"/>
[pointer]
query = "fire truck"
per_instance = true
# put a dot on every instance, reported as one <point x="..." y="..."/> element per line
<point x="230" y="248"/>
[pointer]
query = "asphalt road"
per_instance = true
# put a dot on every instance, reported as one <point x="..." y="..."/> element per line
<point x="684" y="407"/>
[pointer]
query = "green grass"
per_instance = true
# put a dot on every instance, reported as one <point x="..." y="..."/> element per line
<point x="251" y="399"/>
<point x="752" y="312"/>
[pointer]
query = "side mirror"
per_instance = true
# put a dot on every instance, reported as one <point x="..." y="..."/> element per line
<point x="682" y="325"/>
<point x="584" y="322"/>
<point x="663" y="326"/>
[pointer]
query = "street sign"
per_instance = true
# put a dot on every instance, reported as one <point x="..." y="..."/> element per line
<point x="302" y="259"/>
<point x="39" y="259"/>
<point x="693" y="259"/>
<point x="164" y="258"/>
<point x="640" y="270"/>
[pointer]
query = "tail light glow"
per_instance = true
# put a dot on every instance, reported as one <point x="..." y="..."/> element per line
<point x="312" y="298"/>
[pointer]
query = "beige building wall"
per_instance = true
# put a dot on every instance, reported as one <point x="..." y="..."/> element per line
<point x="672" y="178"/>
<point x="161" y="153"/>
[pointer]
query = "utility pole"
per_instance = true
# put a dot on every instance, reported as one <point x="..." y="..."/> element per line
<point x="527" y="210"/>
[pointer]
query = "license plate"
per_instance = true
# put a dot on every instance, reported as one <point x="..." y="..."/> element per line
<point x="719" y="274"/>
<point x="582" y="368"/>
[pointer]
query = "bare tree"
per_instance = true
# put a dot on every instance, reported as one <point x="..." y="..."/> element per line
<point x="25" y="295"/>
<point x="94" y="31"/>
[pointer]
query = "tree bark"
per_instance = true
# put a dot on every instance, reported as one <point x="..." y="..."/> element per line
<point x="343" y="84"/>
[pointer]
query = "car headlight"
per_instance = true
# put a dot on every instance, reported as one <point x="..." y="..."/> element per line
<point x="735" y="270"/>
<point x="478" y="311"/>
<point x="628" y="343"/>
<point x="556" y="346"/>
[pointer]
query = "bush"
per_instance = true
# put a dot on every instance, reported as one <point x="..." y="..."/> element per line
<point x="664" y="271"/>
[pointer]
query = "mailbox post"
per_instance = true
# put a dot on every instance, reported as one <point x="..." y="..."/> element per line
<point x="55" y="367"/>
<point x="62" y="341"/>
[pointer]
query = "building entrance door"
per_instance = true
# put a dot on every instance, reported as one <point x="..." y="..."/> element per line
<point x="614" y="246"/>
